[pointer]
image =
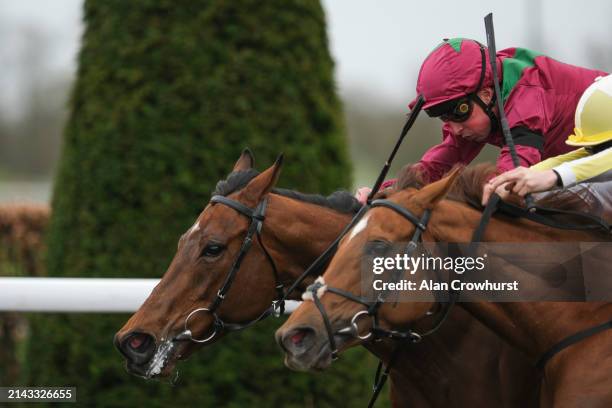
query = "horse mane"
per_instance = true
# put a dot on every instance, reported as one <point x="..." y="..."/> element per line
<point x="236" y="180"/>
<point x="467" y="188"/>
<point x="341" y="201"/>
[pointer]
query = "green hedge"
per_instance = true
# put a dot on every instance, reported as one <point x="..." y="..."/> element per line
<point x="167" y="95"/>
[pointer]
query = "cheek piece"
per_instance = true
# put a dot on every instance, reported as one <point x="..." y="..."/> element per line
<point x="487" y="108"/>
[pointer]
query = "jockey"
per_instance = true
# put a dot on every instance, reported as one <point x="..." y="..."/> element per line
<point x="538" y="92"/>
<point x="592" y="161"/>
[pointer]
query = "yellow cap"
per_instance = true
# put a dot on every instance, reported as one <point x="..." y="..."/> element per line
<point x="593" y="118"/>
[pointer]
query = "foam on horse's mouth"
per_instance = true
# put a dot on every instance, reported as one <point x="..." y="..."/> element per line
<point x="160" y="358"/>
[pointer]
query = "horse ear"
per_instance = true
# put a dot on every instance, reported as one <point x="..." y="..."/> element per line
<point x="245" y="161"/>
<point x="431" y="194"/>
<point x="263" y="183"/>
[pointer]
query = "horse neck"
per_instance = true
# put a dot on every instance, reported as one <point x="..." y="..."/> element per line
<point x="531" y="326"/>
<point x="455" y="222"/>
<point x="297" y="232"/>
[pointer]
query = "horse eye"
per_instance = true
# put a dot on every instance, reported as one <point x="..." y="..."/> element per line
<point x="212" y="250"/>
<point x="378" y="247"/>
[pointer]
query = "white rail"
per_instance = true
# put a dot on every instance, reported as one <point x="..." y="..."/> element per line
<point x="78" y="295"/>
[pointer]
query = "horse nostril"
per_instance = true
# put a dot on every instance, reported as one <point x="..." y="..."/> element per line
<point x="298" y="340"/>
<point x="137" y="347"/>
<point x="139" y="342"/>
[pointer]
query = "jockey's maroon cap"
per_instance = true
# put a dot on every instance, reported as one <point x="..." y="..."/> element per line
<point x="455" y="68"/>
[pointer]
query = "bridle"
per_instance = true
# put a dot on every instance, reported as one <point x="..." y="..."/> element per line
<point x="256" y="216"/>
<point x="376" y="332"/>
<point x="371" y="311"/>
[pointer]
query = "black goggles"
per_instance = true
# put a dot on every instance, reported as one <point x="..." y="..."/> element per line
<point x="457" y="110"/>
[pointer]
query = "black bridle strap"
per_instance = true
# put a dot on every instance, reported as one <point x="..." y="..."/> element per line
<point x="570" y="340"/>
<point x="279" y="285"/>
<point x="381" y="375"/>
<point x="348" y="295"/>
<point x="486" y="107"/>
<point x="401" y="211"/>
<point x="238" y="206"/>
<point x="330" y="333"/>
<point x="257" y="218"/>
<point x="380" y="378"/>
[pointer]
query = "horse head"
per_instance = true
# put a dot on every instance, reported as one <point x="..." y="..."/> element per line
<point x="194" y="298"/>
<point x="314" y="333"/>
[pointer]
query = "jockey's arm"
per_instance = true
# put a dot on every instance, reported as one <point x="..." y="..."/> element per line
<point x="578" y="165"/>
<point x="553" y="162"/>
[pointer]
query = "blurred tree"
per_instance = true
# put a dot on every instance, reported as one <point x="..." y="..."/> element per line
<point x="167" y="95"/>
<point x="31" y="126"/>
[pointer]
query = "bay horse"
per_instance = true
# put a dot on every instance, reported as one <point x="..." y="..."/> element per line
<point x="296" y="229"/>
<point x="576" y="376"/>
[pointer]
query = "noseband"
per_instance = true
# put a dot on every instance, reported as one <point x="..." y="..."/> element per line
<point x="257" y="217"/>
<point x="376" y="332"/>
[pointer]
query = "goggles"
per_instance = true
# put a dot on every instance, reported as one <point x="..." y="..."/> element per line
<point x="457" y="110"/>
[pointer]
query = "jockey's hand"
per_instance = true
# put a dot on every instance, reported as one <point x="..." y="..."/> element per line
<point x="502" y="191"/>
<point x="362" y="194"/>
<point x="520" y="181"/>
